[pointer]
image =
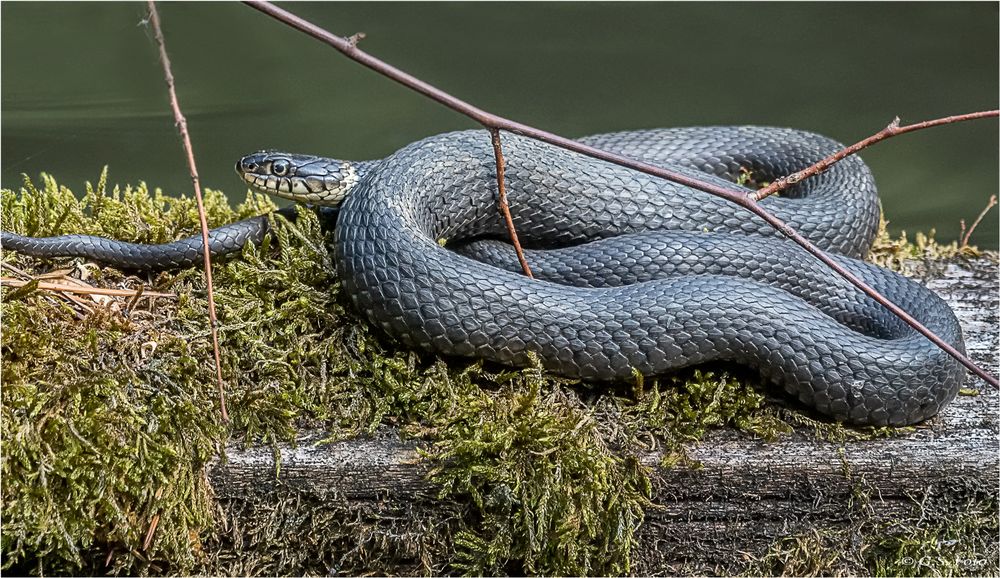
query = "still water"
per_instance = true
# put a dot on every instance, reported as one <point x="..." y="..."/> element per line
<point x="81" y="87"/>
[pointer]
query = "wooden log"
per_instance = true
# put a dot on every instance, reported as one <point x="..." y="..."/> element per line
<point x="336" y="507"/>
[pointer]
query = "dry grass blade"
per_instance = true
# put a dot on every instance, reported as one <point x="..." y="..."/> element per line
<point x="153" y="523"/>
<point x="82" y="289"/>
<point x="17" y="271"/>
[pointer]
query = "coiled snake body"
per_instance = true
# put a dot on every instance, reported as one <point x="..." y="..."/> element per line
<point x="633" y="273"/>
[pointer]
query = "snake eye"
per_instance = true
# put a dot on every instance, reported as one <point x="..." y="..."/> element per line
<point x="280" y="167"/>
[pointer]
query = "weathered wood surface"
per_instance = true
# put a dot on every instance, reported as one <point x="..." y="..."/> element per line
<point x="747" y="494"/>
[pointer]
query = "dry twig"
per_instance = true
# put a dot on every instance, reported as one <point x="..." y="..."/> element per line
<point x="966" y="234"/>
<point x="732" y="193"/>
<point x="502" y="201"/>
<point x="181" y="122"/>
<point x="890" y="131"/>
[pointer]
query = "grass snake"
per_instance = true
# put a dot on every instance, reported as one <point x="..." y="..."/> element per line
<point x="633" y="273"/>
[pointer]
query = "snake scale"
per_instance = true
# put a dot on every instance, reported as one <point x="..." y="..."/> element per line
<point x="633" y="273"/>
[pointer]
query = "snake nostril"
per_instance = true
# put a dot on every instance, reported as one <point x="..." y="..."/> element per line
<point x="246" y="165"/>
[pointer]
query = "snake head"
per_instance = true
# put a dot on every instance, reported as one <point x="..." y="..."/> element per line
<point x="303" y="178"/>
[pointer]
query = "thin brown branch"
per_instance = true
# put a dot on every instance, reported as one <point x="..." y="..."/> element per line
<point x="732" y="193"/>
<point x="181" y="122"/>
<point x="894" y="129"/>
<point x="66" y="288"/>
<point x="502" y="201"/>
<point x="967" y="234"/>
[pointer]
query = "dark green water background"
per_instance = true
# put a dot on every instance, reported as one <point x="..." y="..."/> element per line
<point x="81" y="85"/>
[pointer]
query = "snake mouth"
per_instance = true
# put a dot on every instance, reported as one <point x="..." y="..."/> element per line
<point x="302" y="178"/>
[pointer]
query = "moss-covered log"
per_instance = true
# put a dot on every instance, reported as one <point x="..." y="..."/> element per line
<point x="912" y="502"/>
<point x="111" y="433"/>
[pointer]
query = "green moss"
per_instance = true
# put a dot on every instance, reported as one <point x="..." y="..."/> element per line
<point x="95" y="445"/>
<point x="551" y="495"/>
<point x="943" y="531"/>
<point x="964" y="544"/>
<point x="109" y="419"/>
<point x="110" y="413"/>
<point x="106" y="420"/>
<point x="959" y="543"/>
<point x="899" y="254"/>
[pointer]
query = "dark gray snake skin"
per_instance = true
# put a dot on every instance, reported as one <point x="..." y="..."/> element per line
<point x="176" y="255"/>
<point x="634" y="273"/>
<point x="180" y="254"/>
